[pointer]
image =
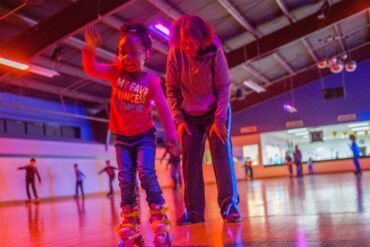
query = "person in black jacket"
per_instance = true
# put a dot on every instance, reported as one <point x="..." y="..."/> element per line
<point x="80" y="176"/>
<point x="111" y="174"/>
<point x="31" y="171"/>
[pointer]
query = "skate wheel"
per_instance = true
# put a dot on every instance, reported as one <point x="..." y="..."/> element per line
<point x="121" y="243"/>
<point x="139" y="241"/>
<point x="132" y="242"/>
<point x="163" y="240"/>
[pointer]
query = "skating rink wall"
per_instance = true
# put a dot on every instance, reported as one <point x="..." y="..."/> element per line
<point x="55" y="161"/>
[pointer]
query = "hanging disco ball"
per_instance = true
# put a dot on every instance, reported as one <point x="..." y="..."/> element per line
<point x="337" y="68"/>
<point x="322" y="64"/>
<point x="351" y="66"/>
<point x="332" y="61"/>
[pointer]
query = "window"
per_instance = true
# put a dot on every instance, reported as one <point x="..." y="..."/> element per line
<point x="2" y="126"/>
<point x="15" y="127"/>
<point x="328" y="142"/>
<point x="35" y="129"/>
<point x="53" y="130"/>
<point x="71" y="132"/>
<point x="18" y="128"/>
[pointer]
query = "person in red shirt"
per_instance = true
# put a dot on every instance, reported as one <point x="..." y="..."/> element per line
<point x="248" y="167"/>
<point x="111" y="175"/>
<point x="133" y="91"/>
<point x="31" y="171"/>
<point x="289" y="162"/>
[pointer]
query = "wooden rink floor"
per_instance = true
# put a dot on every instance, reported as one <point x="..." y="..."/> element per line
<point x="320" y="210"/>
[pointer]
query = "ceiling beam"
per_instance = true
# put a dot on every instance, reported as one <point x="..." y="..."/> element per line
<point x="51" y="30"/>
<point x="286" y="11"/>
<point x="80" y="44"/>
<point x="166" y="8"/>
<point x="283" y="63"/>
<point x="368" y="23"/>
<point x="310" y="50"/>
<point x="246" y="37"/>
<point x="270" y="43"/>
<point x="239" y="18"/>
<point x="300" y="78"/>
<point x="70" y="70"/>
<point x="338" y="37"/>
<point x="51" y="89"/>
<point x="256" y="74"/>
<point x="100" y="52"/>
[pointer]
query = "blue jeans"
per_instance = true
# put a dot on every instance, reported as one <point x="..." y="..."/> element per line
<point x="299" y="168"/>
<point x="193" y="151"/>
<point x="137" y="154"/>
<point x="357" y="164"/>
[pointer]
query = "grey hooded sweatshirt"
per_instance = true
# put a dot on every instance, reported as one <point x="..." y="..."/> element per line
<point x="198" y="85"/>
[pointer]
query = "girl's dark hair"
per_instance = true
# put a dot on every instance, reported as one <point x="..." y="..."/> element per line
<point x="139" y="30"/>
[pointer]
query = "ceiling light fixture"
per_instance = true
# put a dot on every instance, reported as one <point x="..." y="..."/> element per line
<point x="43" y="71"/>
<point x="297" y="130"/>
<point x="161" y="29"/>
<point x="289" y="108"/>
<point x="13" y="64"/>
<point x="360" y="128"/>
<point x="31" y="68"/>
<point x="254" y="86"/>
<point x="354" y="125"/>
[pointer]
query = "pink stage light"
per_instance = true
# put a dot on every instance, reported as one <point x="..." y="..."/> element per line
<point x="13" y="64"/>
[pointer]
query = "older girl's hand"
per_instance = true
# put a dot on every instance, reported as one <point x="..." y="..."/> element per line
<point x="220" y="131"/>
<point x="183" y="129"/>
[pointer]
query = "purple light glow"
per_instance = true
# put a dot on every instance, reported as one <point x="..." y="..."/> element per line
<point x="300" y="238"/>
<point x="162" y="28"/>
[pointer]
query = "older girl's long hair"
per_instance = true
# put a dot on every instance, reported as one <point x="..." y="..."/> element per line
<point x="196" y="27"/>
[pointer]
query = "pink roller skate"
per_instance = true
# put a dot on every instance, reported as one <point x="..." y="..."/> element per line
<point x="160" y="225"/>
<point x="129" y="229"/>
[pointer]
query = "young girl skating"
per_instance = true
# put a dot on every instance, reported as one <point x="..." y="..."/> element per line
<point x="131" y="121"/>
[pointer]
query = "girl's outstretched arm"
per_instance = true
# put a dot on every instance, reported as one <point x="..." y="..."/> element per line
<point x="101" y="171"/>
<point x="163" y="110"/>
<point x="90" y="65"/>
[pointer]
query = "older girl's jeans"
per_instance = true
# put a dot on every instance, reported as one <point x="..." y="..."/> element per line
<point x="137" y="154"/>
<point x="193" y="151"/>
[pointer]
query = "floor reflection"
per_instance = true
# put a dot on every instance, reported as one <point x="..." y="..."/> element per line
<point x="318" y="210"/>
<point x="80" y="205"/>
<point x="360" y="198"/>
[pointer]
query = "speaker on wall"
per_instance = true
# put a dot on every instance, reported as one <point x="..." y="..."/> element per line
<point x="332" y="93"/>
